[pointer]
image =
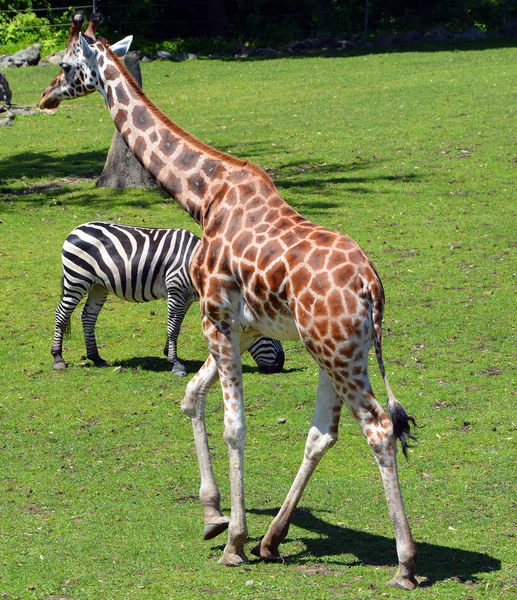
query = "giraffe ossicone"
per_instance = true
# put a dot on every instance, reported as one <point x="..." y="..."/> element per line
<point x="261" y="269"/>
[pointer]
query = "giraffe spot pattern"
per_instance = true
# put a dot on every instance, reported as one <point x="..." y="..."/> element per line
<point x="122" y="96"/>
<point x="156" y="164"/>
<point x="168" y="142"/>
<point x="187" y="159"/>
<point x="197" y="185"/>
<point x="140" y="146"/>
<point x="110" y="73"/>
<point x="142" y="119"/>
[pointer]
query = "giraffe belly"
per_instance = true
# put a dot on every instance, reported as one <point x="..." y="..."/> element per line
<point x="281" y="327"/>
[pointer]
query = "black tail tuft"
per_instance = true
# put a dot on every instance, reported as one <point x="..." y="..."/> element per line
<point x="401" y="424"/>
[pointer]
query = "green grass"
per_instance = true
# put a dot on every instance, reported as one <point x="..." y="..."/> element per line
<point x="412" y="154"/>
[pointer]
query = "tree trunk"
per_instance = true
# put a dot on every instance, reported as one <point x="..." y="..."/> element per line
<point x="121" y="169"/>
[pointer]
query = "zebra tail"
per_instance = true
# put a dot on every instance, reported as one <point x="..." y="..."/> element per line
<point x="400" y="420"/>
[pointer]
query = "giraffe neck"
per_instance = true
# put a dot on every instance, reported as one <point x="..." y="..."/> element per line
<point x="191" y="172"/>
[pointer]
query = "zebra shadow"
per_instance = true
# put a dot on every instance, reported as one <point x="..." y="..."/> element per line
<point x="159" y="365"/>
<point x="156" y="363"/>
<point x="339" y="545"/>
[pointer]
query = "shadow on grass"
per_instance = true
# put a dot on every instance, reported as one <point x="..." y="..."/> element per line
<point x="51" y="165"/>
<point x="334" y="181"/>
<point x="489" y="43"/>
<point x="435" y="562"/>
<point x="159" y="365"/>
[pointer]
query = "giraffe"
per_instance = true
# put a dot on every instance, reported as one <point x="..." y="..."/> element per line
<point x="261" y="269"/>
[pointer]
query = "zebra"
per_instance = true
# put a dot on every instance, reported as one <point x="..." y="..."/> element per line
<point x="138" y="264"/>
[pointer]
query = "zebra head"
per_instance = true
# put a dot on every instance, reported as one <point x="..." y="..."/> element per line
<point x="81" y="64"/>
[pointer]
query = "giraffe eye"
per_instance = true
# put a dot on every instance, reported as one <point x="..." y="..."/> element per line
<point x="65" y="66"/>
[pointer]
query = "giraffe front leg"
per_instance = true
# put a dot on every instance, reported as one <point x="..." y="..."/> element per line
<point x="223" y="338"/>
<point x="193" y="405"/>
<point x="322" y="436"/>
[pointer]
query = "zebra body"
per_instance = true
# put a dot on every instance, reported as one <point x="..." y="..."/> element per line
<point x="137" y="264"/>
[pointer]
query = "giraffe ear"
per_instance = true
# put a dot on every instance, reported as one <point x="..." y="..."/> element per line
<point x="121" y="48"/>
<point x="87" y="51"/>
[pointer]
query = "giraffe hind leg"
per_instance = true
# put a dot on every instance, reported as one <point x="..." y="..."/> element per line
<point x="322" y="436"/>
<point x="194" y="405"/>
<point x="379" y="432"/>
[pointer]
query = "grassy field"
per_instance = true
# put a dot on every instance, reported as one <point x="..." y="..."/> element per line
<point x="414" y="155"/>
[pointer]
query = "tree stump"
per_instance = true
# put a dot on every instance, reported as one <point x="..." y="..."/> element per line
<point x="121" y="169"/>
<point x="5" y="90"/>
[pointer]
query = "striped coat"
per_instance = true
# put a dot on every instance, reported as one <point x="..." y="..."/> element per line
<point x="137" y="264"/>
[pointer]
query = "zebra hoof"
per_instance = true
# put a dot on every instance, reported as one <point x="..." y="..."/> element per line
<point x="99" y="362"/>
<point x="59" y="364"/>
<point x="179" y="371"/>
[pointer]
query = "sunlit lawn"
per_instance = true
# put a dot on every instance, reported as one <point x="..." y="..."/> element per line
<point x="413" y="154"/>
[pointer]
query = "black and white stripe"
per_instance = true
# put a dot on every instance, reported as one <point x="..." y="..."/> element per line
<point x="138" y="264"/>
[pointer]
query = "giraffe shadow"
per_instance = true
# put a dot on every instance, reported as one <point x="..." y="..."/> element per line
<point x="435" y="562"/>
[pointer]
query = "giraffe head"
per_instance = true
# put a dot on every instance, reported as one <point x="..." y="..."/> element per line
<point x="79" y="74"/>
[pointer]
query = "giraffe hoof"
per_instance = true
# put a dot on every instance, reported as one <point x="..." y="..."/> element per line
<point x="214" y="528"/>
<point x="403" y="583"/>
<point x="231" y="559"/>
<point x="59" y="364"/>
<point x="265" y="553"/>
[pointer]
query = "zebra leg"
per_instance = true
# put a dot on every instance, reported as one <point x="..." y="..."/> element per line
<point x="69" y="302"/>
<point x="268" y="354"/>
<point x="177" y="306"/>
<point x="89" y="314"/>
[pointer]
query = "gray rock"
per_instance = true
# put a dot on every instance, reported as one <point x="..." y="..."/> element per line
<point x="473" y="33"/>
<point x="5" y="60"/>
<point x="56" y="57"/>
<point x="164" y="55"/>
<point x="438" y="33"/>
<point x="325" y="37"/>
<point x="185" y="56"/>
<point x="24" y="111"/>
<point x="267" y="52"/>
<point x="23" y="58"/>
<point x="6" y="122"/>
<point x="28" y="57"/>
<point x="409" y="37"/>
<point x="5" y="90"/>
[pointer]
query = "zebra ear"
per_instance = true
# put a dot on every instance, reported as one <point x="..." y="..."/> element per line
<point x="121" y="48"/>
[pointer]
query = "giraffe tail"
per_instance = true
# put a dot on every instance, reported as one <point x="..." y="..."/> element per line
<point x="400" y="420"/>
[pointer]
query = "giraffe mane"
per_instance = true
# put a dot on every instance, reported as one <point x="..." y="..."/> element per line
<point x="157" y="112"/>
